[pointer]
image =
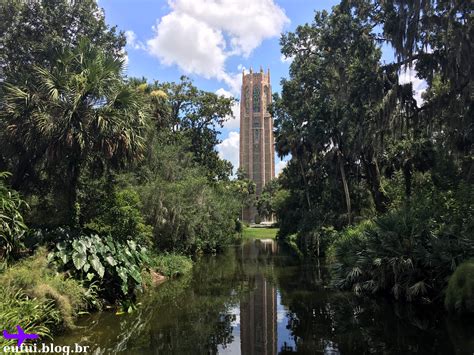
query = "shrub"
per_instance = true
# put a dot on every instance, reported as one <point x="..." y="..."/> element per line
<point x="113" y="265"/>
<point x="121" y="217"/>
<point x="171" y="265"/>
<point x="35" y="279"/>
<point x="460" y="292"/>
<point x="12" y="227"/>
<point x="405" y="253"/>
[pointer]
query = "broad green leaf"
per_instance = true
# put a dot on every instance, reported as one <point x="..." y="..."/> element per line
<point x="97" y="265"/>
<point x="111" y="260"/>
<point x="132" y="244"/>
<point x="135" y="274"/>
<point x="79" y="259"/>
<point x="64" y="256"/>
<point x="124" y="288"/>
<point x="86" y="267"/>
<point x="123" y="275"/>
<point x="79" y="246"/>
<point x="61" y="246"/>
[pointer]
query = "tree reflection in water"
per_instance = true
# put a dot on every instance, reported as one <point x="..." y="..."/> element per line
<point x="257" y="299"/>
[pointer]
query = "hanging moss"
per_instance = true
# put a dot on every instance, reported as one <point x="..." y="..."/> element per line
<point x="460" y="292"/>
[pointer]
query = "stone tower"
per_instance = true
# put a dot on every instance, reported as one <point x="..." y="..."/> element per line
<point x="257" y="151"/>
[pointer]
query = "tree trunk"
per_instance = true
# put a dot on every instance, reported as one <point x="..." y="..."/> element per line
<point x="308" y="200"/>
<point x="373" y="178"/>
<point x="73" y="208"/>
<point x="345" y="186"/>
<point x="407" y="173"/>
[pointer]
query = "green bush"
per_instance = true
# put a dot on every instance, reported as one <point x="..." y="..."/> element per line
<point x="121" y="217"/>
<point x="114" y="266"/>
<point x="36" y="280"/>
<point x="12" y="227"/>
<point x="189" y="214"/>
<point x="410" y="252"/>
<point x="171" y="265"/>
<point x="460" y="292"/>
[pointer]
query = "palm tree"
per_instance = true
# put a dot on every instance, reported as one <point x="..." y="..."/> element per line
<point x="78" y="112"/>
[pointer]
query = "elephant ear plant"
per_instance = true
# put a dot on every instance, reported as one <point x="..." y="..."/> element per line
<point x="112" y="265"/>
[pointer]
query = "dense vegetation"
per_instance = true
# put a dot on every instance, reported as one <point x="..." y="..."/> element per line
<point x="105" y="181"/>
<point x="380" y="180"/>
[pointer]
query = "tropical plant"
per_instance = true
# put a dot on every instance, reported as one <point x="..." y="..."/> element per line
<point x="80" y="112"/>
<point x="409" y="253"/>
<point x="12" y="226"/>
<point x="114" y="266"/>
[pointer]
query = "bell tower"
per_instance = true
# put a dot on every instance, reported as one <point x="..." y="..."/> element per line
<point x="257" y="151"/>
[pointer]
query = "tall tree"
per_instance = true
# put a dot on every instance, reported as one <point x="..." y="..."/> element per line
<point x="76" y="113"/>
<point x="182" y="111"/>
<point x="330" y="103"/>
<point x="31" y="32"/>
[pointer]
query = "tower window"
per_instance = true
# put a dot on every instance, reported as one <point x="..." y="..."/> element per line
<point x="256" y="99"/>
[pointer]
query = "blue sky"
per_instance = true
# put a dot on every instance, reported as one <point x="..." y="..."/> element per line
<point x="211" y="41"/>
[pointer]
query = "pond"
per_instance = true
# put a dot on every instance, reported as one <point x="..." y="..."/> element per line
<point x="257" y="299"/>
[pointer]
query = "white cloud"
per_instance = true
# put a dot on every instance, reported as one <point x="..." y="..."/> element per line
<point x="408" y="75"/>
<point x="132" y="41"/>
<point x="247" y="22"/>
<point x="280" y="166"/>
<point x="191" y="44"/>
<point x="199" y="36"/>
<point x="229" y="149"/>
<point x="232" y="122"/>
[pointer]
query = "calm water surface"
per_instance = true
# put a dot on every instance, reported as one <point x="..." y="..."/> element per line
<point x="256" y="299"/>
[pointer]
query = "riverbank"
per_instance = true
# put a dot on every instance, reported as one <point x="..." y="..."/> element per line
<point x="47" y="302"/>
<point x="228" y="297"/>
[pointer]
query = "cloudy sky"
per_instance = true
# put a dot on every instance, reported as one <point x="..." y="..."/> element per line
<point x="211" y="41"/>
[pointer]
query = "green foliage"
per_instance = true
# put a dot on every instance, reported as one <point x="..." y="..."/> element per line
<point x="60" y="297"/>
<point x="114" y="266"/>
<point x="410" y="252"/>
<point x="33" y="315"/>
<point x="33" y="30"/>
<point x="460" y="292"/>
<point x="171" y="264"/>
<point x="316" y="242"/>
<point x="266" y="203"/>
<point x="188" y="213"/>
<point x="121" y="217"/>
<point x="79" y="114"/>
<point x="12" y="226"/>
<point x="181" y="112"/>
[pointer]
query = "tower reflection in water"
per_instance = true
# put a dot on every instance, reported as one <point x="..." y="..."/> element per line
<point x="258" y="311"/>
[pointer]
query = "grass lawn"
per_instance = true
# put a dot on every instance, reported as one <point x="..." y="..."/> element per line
<point x="259" y="233"/>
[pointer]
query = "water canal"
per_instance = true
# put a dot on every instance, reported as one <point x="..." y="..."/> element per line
<point x="257" y="299"/>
